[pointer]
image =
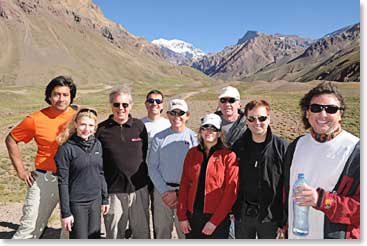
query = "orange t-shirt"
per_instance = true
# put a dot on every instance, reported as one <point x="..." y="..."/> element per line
<point x="44" y="126"/>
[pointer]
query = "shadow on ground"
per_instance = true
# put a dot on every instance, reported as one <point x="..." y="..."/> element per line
<point x="10" y="229"/>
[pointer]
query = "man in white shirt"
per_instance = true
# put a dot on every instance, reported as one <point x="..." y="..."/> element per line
<point x="154" y="123"/>
<point x="329" y="157"/>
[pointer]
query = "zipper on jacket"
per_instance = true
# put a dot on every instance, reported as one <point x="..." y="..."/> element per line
<point x="122" y="138"/>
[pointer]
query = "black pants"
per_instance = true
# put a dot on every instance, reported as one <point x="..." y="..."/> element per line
<point x="197" y="222"/>
<point x="250" y="227"/>
<point x="87" y="220"/>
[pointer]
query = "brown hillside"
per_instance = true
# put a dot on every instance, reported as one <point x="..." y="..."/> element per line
<point x="44" y="38"/>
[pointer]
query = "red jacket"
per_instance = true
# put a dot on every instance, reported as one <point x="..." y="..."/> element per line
<point x="221" y="183"/>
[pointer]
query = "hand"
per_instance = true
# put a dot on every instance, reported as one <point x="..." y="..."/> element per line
<point x="68" y="222"/>
<point x="209" y="228"/>
<point x="27" y="177"/>
<point x="185" y="226"/>
<point x="105" y="209"/>
<point x="280" y="233"/>
<point x="306" y="196"/>
<point x="170" y="199"/>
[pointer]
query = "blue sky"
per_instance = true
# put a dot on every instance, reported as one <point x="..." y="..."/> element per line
<point x="212" y="25"/>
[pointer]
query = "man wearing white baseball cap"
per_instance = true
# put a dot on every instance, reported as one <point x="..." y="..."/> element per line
<point x="165" y="162"/>
<point x="233" y="120"/>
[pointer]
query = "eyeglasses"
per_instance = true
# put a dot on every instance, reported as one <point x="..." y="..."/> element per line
<point x="176" y="113"/>
<point x="254" y="118"/>
<point x="117" y="105"/>
<point x="226" y="99"/>
<point x="330" y="109"/>
<point x="209" y="127"/>
<point x="151" y="100"/>
<point x="88" y="110"/>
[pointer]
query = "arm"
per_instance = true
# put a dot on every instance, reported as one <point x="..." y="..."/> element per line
<point x="63" y="159"/>
<point x="16" y="160"/>
<point x="105" y="202"/>
<point x="230" y="190"/>
<point x="184" y="188"/>
<point x="153" y="166"/>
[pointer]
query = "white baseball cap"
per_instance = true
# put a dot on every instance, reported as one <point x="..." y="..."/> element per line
<point x="178" y="104"/>
<point x="229" y="91"/>
<point x="212" y="119"/>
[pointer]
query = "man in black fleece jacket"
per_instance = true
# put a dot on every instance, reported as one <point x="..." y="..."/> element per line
<point x="125" y="143"/>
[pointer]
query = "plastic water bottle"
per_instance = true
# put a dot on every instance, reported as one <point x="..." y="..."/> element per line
<point x="300" y="213"/>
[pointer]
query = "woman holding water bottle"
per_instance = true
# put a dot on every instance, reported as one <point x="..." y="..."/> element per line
<point x="329" y="159"/>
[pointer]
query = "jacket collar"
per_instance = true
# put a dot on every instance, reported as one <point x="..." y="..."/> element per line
<point x="112" y="122"/>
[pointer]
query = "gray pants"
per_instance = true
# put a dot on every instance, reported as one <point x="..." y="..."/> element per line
<point x="164" y="218"/>
<point x="128" y="209"/>
<point x="41" y="199"/>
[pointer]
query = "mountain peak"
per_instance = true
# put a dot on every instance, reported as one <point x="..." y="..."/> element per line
<point x="248" y="35"/>
<point x="178" y="52"/>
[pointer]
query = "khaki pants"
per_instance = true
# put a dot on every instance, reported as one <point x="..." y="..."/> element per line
<point x="41" y="199"/>
<point x="164" y="218"/>
<point x="128" y="209"/>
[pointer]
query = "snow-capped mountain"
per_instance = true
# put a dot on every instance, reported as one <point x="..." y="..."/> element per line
<point x="178" y="52"/>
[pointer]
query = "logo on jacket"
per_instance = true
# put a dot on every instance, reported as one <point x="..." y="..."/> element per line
<point x="136" y="140"/>
<point x="328" y="203"/>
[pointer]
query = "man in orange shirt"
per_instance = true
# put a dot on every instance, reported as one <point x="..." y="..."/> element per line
<point x="42" y="126"/>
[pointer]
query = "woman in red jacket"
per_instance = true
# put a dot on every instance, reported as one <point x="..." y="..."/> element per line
<point x="209" y="184"/>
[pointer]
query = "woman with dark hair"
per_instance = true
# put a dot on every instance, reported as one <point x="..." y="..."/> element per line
<point x="209" y="184"/>
<point x="82" y="186"/>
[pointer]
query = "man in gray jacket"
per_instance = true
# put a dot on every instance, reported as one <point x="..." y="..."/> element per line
<point x="165" y="164"/>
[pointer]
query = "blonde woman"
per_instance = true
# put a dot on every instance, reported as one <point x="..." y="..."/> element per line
<point x="209" y="184"/>
<point x="82" y="186"/>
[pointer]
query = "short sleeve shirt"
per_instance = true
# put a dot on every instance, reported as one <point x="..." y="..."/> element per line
<point x="43" y="126"/>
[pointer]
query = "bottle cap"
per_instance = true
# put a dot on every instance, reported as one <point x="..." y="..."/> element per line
<point x="301" y="175"/>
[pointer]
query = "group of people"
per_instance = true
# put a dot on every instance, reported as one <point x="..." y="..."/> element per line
<point x="232" y="170"/>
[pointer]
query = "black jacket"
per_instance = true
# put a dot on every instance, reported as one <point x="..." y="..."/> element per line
<point x="80" y="173"/>
<point x="340" y="206"/>
<point x="271" y="169"/>
<point x="124" y="154"/>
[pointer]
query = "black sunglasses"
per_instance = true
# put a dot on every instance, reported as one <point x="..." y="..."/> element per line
<point x="260" y="118"/>
<point x="151" y="100"/>
<point x="330" y="109"/>
<point x="209" y="127"/>
<point x="117" y="105"/>
<point x="88" y="110"/>
<point x="176" y="113"/>
<point x="230" y="100"/>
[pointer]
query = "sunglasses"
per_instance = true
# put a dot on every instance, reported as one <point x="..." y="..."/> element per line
<point x="117" y="105"/>
<point x="176" y="113"/>
<point x="151" y="100"/>
<point x="209" y="127"/>
<point x="87" y="110"/>
<point x="254" y="118"/>
<point x="330" y="109"/>
<point x="230" y="100"/>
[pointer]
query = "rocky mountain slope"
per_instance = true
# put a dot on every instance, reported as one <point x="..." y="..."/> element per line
<point x="40" y="39"/>
<point x="258" y="56"/>
<point x="178" y="52"/>
<point x="252" y="52"/>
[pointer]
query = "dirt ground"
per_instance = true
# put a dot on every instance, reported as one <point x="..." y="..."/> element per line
<point x="11" y="213"/>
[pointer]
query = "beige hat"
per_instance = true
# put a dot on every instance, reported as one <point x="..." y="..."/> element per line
<point x="212" y="119"/>
<point x="229" y="91"/>
<point x="178" y="104"/>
